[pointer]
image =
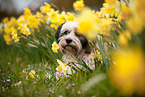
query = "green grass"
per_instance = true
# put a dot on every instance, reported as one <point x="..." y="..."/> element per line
<point x="15" y="59"/>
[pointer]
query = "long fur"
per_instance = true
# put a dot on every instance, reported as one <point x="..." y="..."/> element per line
<point x="76" y="45"/>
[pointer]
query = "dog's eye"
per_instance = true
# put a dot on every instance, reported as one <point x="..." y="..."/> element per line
<point x="65" y="33"/>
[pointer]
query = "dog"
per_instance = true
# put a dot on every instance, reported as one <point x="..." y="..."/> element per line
<point x="73" y="45"/>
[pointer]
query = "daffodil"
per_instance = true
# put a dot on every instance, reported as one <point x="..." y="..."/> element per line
<point x="126" y="11"/>
<point x="55" y="47"/>
<point x="139" y="8"/>
<point x="20" y="27"/>
<point x="135" y="25"/>
<point x="56" y="21"/>
<point x="39" y="15"/>
<point x="7" y="30"/>
<point x="27" y="11"/>
<point x="45" y="9"/>
<point x="127" y="71"/>
<point x="62" y="17"/>
<point x="15" y="37"/>
<point x="78" y="5"/>
<point x="97" y="55"/>
<point x="52" y="14"/>
<point x="105" y="26"/>
<point x="110" y="2"/>
<point x="32" y="21"/>
<point x="122" y="40"/>
<point x="24" y="29"/>
<point x="124" y="37"/>
<point x="87" y="24"/>
<point x="54" y="26"/>
<point x="21" y="20"/>
<point x="7" y="38"/>
<point x="6" y="19"/>
<point x="110" y="10"/>
<point x="12" y="22"/>
<point x="24" y="71"/>
<point x="13" y="30"/>
<point x="70" y="16"/>
<point x="62" y="67"/>
<point x="32" y="74"/>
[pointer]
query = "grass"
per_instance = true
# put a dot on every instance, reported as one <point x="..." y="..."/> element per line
<point x="13" y="60"/>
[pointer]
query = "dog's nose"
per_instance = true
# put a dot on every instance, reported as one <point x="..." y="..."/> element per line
<point x="68" y="40"/>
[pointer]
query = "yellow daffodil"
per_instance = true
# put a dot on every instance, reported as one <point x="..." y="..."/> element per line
<point x="52" y="14"/>
<point x="70" y="16"/>
<point x="20" y="27"/>
<point x="78" y="5"/>
<point x="9" y="24"/>
<point x="15" y="37"/>
<point x="97" y="55"/>
<point x="124" y="37"/>
<point x="135" y="25"/>
<point x="110" y="2"/>
<point x="45" y="9"/>
<point x="62" y="67"/>
<point x="139" y="8"/>
<point x="7" y="30"/>
<point x="98" y="14"/>
<point x="24" y="71"/>
<point x="122" y="40"/>
<point x="12" y="22"/>
<point x="27" y="11"/>
<point x="14" y="34"/>
<point x="32" y="21"/>
<point x="6" y="19"/>
<point x="127" y="71"/>
<point x="87" y="24"/>
<point x="54" y="26"/>
<point x="32" y="74"/>
<point x="39" y="15"/>
<point x="56" y="21"/>
<point x="105" y="26"/>
<point x="21" y="20"/>
<point x="126" y="11"/>
<point x="110" y="10"/>
<point x="7" y="38"/>
<point x="13" y="30"/>
<point x="24" y="29"/>
<point x="62" y="17"/>
<point x="55" y="47"/>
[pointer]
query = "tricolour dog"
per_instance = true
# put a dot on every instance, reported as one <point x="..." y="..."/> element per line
<point x="73" y="44"/>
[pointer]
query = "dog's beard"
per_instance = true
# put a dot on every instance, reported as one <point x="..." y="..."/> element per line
<point x="73" y="48"/>
<point x="69" y="48"/>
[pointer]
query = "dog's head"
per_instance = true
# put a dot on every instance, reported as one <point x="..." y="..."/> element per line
<point x="70" y="41"/>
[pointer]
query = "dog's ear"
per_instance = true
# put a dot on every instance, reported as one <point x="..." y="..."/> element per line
<point x="87" y="47"/>
<point x="57" y="33"/>
<point x="85" y="44"/>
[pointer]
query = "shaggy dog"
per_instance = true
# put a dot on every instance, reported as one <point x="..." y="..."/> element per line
<point x="73" y="45"/>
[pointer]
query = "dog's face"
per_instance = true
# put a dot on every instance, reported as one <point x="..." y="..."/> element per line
<point x="70" y="41"/>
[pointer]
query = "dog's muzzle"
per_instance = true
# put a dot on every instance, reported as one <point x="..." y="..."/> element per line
<point x="69" y="46"/>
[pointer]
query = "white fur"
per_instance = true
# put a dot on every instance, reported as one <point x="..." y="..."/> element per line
<point x="71" y="27"/>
